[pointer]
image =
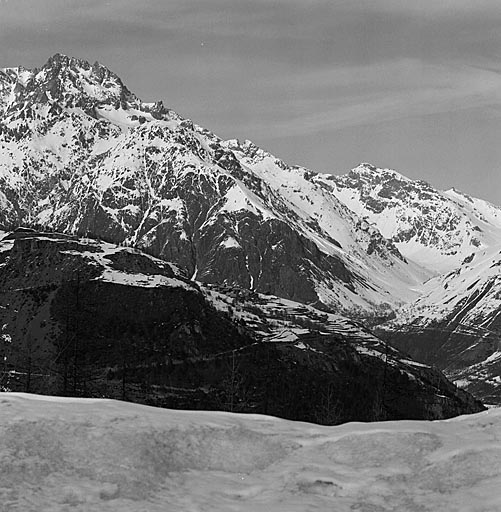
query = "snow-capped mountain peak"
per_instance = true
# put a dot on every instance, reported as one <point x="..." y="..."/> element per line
<point x="65" y="82"/>
<point x="433" y="228"/>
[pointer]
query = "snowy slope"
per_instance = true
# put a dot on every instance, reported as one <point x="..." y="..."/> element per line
<point x="468" y="295"/>
<point x="87" y="454"/>
<point x="318" y="211"/>
<point x="456" y="324"/>
<point x="433" y="228"/>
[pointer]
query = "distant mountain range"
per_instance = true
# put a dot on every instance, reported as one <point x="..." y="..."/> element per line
<point x="80" y="154"/>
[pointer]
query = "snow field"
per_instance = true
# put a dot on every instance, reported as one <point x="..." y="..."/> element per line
<point x="88" y="455"/>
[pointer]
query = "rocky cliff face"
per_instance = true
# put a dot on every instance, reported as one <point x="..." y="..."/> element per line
<point x="81" y="154"/>
<point x="94" y="319"/>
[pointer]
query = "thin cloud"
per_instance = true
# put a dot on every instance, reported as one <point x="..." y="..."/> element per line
<point x="449" y="8"/>
<point x="340" y="98"/>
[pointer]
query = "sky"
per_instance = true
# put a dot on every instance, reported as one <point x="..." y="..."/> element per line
<point x="414" y="86"/>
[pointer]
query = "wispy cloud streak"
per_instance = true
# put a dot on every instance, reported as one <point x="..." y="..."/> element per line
<point x="339" y="98"/>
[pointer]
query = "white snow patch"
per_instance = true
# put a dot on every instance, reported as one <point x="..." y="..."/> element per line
<point x="229" y="243"/>
<point x="414" y="363"/>
<point x="141" y="280"/>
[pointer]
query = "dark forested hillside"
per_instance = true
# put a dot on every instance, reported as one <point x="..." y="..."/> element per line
<point x="83" y="318"/>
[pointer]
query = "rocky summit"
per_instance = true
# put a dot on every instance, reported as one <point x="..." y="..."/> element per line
<point x="436" y="229"/>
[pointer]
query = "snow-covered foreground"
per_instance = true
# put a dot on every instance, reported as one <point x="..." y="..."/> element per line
<point x="103" y="455"/>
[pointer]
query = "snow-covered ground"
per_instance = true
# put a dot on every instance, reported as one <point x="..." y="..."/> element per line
<point x="63" y="454"/>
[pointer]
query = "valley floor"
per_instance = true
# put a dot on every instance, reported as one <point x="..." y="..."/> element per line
<point x="63" y="454"/>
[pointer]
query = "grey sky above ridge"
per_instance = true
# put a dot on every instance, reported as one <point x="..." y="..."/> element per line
<point x="415" y="86"/>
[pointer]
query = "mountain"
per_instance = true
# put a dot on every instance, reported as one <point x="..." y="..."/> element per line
<point x="455" y="325"/>
<point x="435" y="229"/>
<point x="87" y="318"/>
<point x="81" y="154"/>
